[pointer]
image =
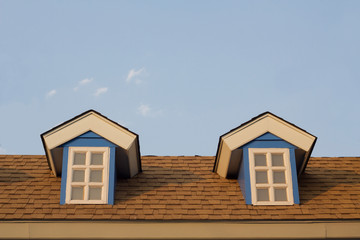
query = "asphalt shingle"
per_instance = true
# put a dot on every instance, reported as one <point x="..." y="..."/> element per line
<point x="178" y="188"/>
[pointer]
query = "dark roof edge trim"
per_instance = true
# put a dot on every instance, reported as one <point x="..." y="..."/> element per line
<point x="138" y="151"/>
<point x="46" y="154"/>
<point x="217" y="154"/>
<point x="307" y="158"/>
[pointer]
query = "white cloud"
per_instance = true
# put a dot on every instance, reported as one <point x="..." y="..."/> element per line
<point x="85" y="81"/>
<point x="133" y="74"/>
<point x="100" y="91"/>
<point x="82" y="83"/>
<point x="51" y="93"/>
<point x="144" y="110"/>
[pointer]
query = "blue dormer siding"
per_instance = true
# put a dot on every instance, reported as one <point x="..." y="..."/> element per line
<point x="266" y="140"/>
<point x="244" y="177"/>
<point x="89" y="139"/>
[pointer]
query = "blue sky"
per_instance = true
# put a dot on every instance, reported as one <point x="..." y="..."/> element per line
<point x="180" y="73"/>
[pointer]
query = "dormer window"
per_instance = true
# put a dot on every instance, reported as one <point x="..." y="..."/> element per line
<point x="90" y="152"/>
<point x="270" y="173"/>
<point x="88" y="175"/>
<point x="266" y="155"/>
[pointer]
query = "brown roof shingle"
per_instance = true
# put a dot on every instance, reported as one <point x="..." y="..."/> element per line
<point x="178" y="188"/>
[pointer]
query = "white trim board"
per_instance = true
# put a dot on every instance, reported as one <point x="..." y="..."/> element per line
<point x="179" y="230"/>
<point x="272" y="124"/>
<point x="89" y="122"/>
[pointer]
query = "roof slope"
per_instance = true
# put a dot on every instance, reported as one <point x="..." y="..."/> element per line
<point x="178" y="188"/>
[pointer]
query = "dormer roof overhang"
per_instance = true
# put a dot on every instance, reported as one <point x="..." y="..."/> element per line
<point x="92" y="120"/>
<point x="259" y="125"/>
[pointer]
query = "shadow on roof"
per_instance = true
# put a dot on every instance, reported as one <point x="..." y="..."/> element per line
<point x="317" y="181"/>
<point x="151" y="179"/>
<point x="9" y="175"/>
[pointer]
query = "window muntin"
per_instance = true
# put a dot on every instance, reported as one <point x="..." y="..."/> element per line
<point x="270" y="176"/>
<point x="87" y="175"/>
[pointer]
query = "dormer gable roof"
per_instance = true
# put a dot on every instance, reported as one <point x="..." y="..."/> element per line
<point x="97" y="123"/>
<point x="266" y="122"/>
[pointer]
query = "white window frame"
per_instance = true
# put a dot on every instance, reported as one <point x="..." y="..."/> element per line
<point x="269" y="168"/>
<point x="87" y="167"/>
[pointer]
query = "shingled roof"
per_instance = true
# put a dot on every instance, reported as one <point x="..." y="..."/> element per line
<point x="178" y="188"/>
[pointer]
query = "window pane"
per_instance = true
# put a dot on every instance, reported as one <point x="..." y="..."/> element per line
<point x="77" y="193"/>
<point x="260" y="160"/>
<point x="94" y="193"/>
<point x="96" y="159"/>
<point x="262" y="194"/>
<point x="261" y="177"/>
<point x="277" y="159"/>
<point x="79" y="158"/>
<point x="280" y="194"/>
<point x="95" y="175"/>
<point x="78" y="176"/>
<point x="279" y="176"/>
